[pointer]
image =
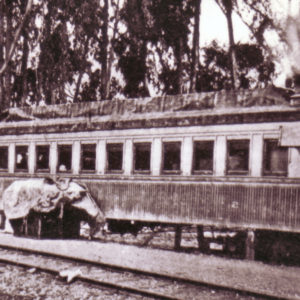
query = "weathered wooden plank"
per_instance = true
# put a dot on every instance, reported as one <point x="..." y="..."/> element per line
<point x="253" y="205"/>
<point x="259" y="206"/>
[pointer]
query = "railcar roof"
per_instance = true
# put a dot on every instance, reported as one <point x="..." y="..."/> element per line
<point x="224" y="107"/>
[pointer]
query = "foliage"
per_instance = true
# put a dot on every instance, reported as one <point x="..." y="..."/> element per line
<point x="255" y="69"/>
<point x="91" y="50"/>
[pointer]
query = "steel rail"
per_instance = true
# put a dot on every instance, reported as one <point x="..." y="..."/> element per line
<point x="143" y="292"/>
<point x="87" y="279"/>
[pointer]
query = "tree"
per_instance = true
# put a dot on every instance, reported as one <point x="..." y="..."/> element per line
<point x="104" y="51"/>
<point x="173" y="20"/>
<point x="12" y="42"/>
<point x="70" y="50"/>
<point x="259" y="18"/>
<point x="254" y="69"/>
<point x="80" y="29"/>
<point x="98" y="41"/>
<point x="195" y="49"/>
<point x="131" y="47"/>
<point x="227" y="8"/>
<point x="15" y="25"/>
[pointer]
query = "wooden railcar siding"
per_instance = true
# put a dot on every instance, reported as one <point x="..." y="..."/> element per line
<point x="261" y="206"/>
<point x="248" y="205"/>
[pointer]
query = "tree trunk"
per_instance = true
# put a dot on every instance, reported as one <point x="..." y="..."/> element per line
<point x="6" y="67"/>
<point x="82" y="70"/>
<point x="1" y="50"/>
<point x="234" y="77"/>
<point x="47" y="88"/>
<point x="111" y="50"/>
<point x="24" y="89"/>
<point x="179" y="67"/>
<point x="64" y="72"/>
<point x="195" y="50"/>
<point x="10" y="47"/>
<point x="78" y="84"/>
<point x="104" y="46"/>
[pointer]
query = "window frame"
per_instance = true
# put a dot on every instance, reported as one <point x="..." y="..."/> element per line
<point x="277" y="173"/>
<point x="171" y="172"/>
<point x="67" y="171"/>
<point x="21" y="170"/>
<point x="135" y="145"/>
<point x="82" y="145"/>
<point x="7" y="156"/>
<point x="38" y="170"/>
<point x="203" y="172"/>
<point x="237" y="172"/>
<point x="108" y="169"/>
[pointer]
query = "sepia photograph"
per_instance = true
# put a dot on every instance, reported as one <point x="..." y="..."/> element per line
<point x="149" y="149"/>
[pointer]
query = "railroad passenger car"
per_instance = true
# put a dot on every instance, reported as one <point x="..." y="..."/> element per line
<point x="225" y="159"/>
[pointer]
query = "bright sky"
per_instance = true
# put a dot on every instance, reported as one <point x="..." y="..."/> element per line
<point x="213" y="22"/>
<point x="214" y="26"/>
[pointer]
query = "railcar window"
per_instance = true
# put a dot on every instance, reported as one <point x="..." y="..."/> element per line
<point x="3" y="158"/>
<point x="42" y="158"/>
<point x="171" y="157"/>
<point x="238" y="157"/>
<point x="88" y="157"/>
<point x="142" y="154"/>
<point x="64" y="158"/>
<point x="21" y="158"/>
<point x="275" y="158"/>
<point x="203" y="157"/>
<point x="114" y="157"/>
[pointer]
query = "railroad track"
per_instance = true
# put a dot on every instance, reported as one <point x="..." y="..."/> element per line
<point x="151" y="285"/>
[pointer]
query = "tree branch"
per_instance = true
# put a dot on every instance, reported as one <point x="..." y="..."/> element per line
<point x="16" y="37"/>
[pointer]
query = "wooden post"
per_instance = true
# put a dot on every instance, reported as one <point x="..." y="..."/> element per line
<point x="250" y="245"/>
<point x="2" y="223"/>
<point x="177" y="237"/>
<point x="61" y="221"/>
<point x="202" y="244"/>
<point x="25" y="225"/>
<point x="39" y="229"/>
